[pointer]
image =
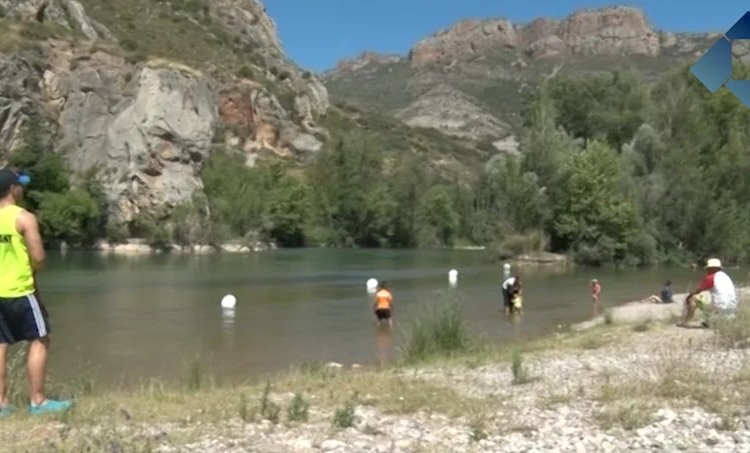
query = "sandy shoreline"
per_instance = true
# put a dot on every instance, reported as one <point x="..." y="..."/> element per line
<point x="636" y="311"/>
<point x="638" y="384"/>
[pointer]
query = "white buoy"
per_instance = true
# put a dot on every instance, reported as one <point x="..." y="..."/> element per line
<point x="228" y="301"/>
<point x="453" y="276"/>
<point x="372" y="284"/>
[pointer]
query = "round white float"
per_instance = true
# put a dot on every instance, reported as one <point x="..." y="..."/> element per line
<point x="228" y="301"/>
<point x="372" y="284"/>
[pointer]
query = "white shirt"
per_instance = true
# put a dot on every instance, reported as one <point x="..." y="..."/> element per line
<point x="508" y="284"/>
<point x="722" y="292"/>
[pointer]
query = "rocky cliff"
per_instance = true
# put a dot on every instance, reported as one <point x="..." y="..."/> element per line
<point x="145" y="109"/>
<point x="468" y="80"/>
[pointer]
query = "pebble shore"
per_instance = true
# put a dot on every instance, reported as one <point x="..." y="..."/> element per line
<point x="648" y="387"/>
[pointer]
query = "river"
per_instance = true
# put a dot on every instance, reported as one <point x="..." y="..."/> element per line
<point x="125" y="317"/>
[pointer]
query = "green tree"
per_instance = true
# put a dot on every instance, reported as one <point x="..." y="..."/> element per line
<point x="73" y="217"/>
<point x="343" y="179"/>
<point x="592" y="219"/>
<point x="37" y="159"/>
<point x="437" y="217"/>
<point x="285" y="208"/>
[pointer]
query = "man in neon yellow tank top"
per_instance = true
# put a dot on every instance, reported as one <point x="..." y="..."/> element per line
<point x="22" y="315"/>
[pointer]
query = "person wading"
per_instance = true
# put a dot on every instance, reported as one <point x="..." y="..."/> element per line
<point x="384" y="304"/>
<point x="22" y="315"/>
<point x="596" y="292"/>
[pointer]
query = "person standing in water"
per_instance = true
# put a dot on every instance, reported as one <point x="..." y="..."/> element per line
<point x="22" y="315"/>
<point x="596" y="291"/>
<point x="510" y="287"/>
<point x="384" y="304"/>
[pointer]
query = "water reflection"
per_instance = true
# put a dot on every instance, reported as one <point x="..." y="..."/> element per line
<point x="383" y="342"/>
<point x="227" y="318"/>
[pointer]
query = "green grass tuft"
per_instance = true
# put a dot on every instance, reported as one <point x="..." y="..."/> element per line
<point x="437" y="329"/>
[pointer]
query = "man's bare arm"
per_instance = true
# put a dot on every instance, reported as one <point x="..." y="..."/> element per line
<point x="29" y="228"/>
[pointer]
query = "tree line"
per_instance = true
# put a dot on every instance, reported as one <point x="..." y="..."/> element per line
<point x="612" y="170"/>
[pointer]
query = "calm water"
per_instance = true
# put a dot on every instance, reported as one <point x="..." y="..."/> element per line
<point x="148" y="316"/>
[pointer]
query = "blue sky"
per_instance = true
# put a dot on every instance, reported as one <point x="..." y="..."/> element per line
<point x="318" y="33"/>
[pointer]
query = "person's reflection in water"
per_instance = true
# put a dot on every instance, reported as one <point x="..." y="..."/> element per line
<point x="383" y="342"/>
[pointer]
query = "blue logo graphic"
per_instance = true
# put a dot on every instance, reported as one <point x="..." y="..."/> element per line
<point x="714" y="69"/>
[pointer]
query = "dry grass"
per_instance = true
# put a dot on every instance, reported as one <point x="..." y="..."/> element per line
<point x="734" y="333"/>
<point x="163" y="63"/>
<point x="678" y="378"/>
<point x="190" y="410"/>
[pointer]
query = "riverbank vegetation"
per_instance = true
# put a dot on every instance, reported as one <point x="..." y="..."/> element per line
<point x="473" y="387"/>
<point x="612" y="170"/>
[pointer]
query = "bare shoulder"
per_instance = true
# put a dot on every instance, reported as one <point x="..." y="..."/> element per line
<point x="26" y="220"/>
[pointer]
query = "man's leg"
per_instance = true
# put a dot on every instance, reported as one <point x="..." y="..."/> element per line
<point x="36" y="331"/>
<point x="6" y="338"/>
<point x="690" y="306"/>
<point x="4" y="401"/>
<point x="37" y="369"/>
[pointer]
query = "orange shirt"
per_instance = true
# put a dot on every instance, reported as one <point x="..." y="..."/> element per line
<point x="383" y="299"/>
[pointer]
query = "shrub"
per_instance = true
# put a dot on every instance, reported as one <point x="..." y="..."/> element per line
<point x="344" y="417"/>
<point x="299" y="409"/>
<point x="438" y="329"/>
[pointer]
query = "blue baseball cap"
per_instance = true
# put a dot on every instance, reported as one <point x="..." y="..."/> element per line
<point x="10" y="178"/>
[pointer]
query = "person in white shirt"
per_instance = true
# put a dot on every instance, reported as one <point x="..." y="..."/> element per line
<point x="721" y="288"/>
<point x="510" y="286"/>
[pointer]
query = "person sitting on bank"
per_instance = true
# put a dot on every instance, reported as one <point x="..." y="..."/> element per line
<point x="666" y="296"/>
<point x="384" y="304"/>
<point x="721" y="289"/>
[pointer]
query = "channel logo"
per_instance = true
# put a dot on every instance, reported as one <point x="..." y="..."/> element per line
<point x="714" y="69"/>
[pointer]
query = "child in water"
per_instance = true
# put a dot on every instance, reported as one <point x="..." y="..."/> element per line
<point x="596" y="291"/>
<point x="516" y="301"/>
<point x="516" y="304"/>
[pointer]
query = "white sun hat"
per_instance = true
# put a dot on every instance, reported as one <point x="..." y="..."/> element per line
<point x="713" y="263"/>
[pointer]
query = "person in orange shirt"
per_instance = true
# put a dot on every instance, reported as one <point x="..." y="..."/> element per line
<point x="384" y="304"/>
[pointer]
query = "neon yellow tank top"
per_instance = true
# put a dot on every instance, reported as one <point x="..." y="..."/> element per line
<point x="16" y="276"/>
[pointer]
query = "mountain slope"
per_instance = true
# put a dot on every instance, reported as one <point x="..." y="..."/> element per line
<point x="469" y="79"/>
<point x="143" y="91"/>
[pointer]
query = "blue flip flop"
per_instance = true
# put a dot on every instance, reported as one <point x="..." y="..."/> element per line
<point x="6" y="411"/>
<point x="50" y="406"/>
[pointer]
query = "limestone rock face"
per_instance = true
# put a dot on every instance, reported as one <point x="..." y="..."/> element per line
<point x="148" y="141"/>
<point x="147" y="126"/>
<point x="609" y="31"/>
<point x="67" y="13"/>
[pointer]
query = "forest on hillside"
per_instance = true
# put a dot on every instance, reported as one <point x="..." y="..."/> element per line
<point x="612" y="170"/>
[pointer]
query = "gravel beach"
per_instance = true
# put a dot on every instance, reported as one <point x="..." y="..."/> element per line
<point x="636" y="383"/>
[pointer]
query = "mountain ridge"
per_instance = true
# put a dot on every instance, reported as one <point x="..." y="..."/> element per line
<point x="488" y="64"/>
